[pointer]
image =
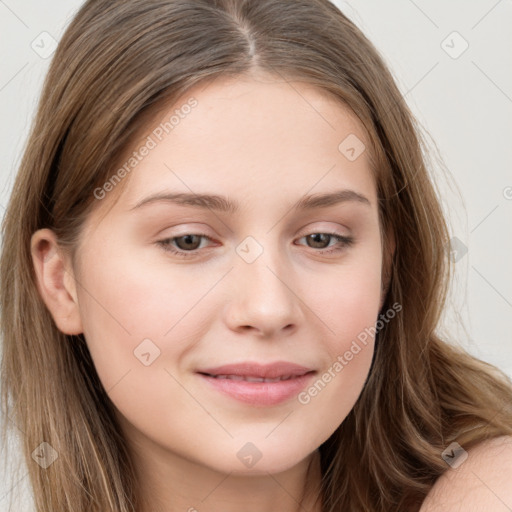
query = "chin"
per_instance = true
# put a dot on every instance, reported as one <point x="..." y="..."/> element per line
<point x="264" y="461"/>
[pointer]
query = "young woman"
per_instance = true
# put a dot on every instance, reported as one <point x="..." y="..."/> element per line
<point x="223" y="268"/>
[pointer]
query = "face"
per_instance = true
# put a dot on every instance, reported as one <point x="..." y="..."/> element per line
<point x="168" y="290"/>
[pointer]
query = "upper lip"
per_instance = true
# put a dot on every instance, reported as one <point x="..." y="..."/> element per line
<point x="252" y="369"/>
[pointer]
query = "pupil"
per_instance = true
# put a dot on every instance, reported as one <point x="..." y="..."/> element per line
<point x="188" y="241"/>
<point x="315" y="237"/>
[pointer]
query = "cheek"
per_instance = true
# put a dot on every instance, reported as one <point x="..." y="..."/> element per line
<point x="348" y="305"/>
<point x="125" y="302"/>
<point x="347" y="300"/>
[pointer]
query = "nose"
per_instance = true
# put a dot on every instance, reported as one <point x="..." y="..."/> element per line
<point x="263" y="297"/>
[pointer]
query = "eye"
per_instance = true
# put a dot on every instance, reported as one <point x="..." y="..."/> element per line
<point x="186" y="244"/>
<point x="320" y="239"/>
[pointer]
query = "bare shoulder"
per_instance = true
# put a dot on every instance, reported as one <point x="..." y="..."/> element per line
<point x="482" y="482"/>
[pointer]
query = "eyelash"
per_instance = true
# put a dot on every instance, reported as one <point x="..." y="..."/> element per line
<point x="345" y="241"/>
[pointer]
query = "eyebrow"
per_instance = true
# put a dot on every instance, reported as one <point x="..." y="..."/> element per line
<point x="225" y="205"/>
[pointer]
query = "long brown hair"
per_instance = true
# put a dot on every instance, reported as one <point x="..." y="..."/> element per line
<point x="117" y="64"/>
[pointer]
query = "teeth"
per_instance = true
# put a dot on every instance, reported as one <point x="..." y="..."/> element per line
<point x="251" y="379"/>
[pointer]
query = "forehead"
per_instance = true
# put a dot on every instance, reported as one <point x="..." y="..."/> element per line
<point x="263" y="135"/>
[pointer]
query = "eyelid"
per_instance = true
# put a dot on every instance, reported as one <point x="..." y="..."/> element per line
<point x="323" y="228"/>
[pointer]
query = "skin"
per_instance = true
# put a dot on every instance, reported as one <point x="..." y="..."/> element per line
<point x="480" y="483"/>
<point x="265" y="144"/>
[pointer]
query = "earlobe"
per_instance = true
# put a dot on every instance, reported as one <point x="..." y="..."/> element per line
<point x="55" y="281"/>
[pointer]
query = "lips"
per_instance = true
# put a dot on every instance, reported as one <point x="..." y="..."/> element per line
<point x="258" y="384"/>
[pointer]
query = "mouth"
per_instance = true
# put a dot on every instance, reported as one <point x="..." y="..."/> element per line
<point x="256" y="384"/>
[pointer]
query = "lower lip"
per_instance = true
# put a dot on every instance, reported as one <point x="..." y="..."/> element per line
<point x="260" y="393"/>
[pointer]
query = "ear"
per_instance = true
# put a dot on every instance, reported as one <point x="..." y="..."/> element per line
<point x="56" y="281"/>
<point x="389" y="246"/>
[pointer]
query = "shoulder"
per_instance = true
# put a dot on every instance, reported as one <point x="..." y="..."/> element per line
<point x="481" y="482"/>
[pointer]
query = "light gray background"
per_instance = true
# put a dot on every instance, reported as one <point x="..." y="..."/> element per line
<point x="464" y="101"/>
